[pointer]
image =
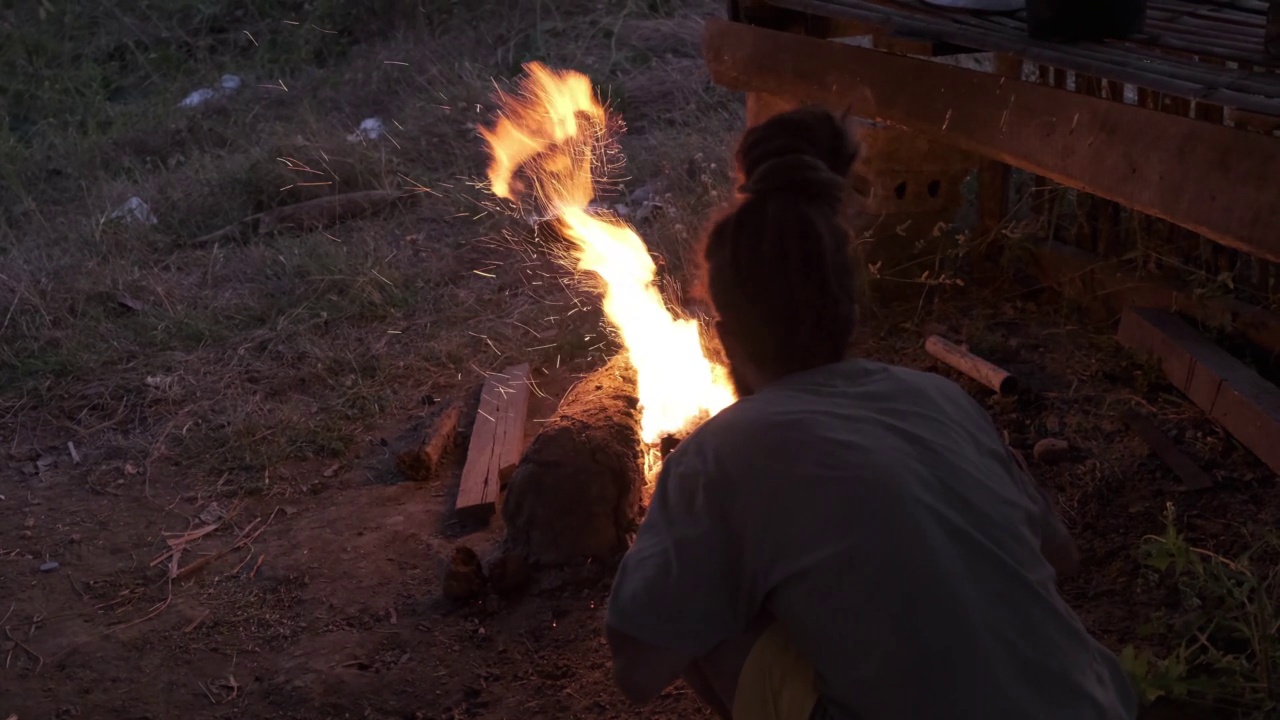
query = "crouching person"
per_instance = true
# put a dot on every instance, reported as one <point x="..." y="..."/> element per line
<point x="850" y="540"/>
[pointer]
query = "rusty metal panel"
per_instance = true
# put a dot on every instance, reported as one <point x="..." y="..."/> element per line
<point x="1215" y="180"/>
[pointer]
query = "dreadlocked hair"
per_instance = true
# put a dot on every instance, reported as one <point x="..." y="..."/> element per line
<point x="777" y="266"/>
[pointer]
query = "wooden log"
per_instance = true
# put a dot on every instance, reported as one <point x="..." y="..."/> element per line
<point x="1233" y="395"/>
<point x="1191" y="474"/>
<point x="497" y="439"/>
<point x="420" y="464"/>
<point x="577" y="491"/>
<point x="1092" y="279"/>
<point x="971" y="365"/>
<point x="309" y="215"/>
<point x="1090" y="144"/>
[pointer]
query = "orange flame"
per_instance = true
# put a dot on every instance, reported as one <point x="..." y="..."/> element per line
<point x="550" y="134"/>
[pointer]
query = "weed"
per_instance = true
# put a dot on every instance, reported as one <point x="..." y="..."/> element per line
<point x="1226" y="651"/>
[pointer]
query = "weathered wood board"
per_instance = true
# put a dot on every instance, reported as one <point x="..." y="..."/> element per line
<point x="497" y="440"/>
<point x="1236" y="397"/>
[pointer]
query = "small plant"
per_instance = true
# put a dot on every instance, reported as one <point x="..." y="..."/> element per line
<point x="1226" y="652"/>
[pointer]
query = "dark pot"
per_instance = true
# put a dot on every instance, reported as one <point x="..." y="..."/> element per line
<point x="1075" y="20"/>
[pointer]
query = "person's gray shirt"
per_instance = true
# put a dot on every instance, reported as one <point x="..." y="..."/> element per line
<point x="876" y="513"/>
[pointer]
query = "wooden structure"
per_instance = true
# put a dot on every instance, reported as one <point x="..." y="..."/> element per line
<point x="1173" y="133"/>
<point x="1228" y="391"/>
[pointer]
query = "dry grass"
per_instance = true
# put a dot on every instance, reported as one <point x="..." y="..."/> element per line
<point x="239" y="356"/>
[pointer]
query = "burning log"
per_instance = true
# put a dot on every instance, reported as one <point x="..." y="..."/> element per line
<point x="975" y="367"/>
<point x="496" y="440"/>
<point x="577" y="491"/>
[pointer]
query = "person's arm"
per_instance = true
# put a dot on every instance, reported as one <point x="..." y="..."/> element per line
<point x="642" y="671"/>
<point x="677" y="594"/>
<point x="1056" y="543"/>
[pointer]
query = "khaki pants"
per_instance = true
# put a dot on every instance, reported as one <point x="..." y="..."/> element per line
<point x="775" y="683"/>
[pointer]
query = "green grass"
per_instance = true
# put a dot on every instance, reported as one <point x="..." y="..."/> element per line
<point x="1223" y="647"/>
<point x="240" y="355"/>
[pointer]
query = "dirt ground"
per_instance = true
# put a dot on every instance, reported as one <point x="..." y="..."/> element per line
<point x="265" y="384"/>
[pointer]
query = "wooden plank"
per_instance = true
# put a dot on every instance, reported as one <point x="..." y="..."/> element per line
<point x="1230" y="393"/>
<point x="1090" y="278"/>
<point x="1100" y="147"/>
<point x="517" y="409"/>
<point x="1192" y="475"/>
<point x="497" y="439"/>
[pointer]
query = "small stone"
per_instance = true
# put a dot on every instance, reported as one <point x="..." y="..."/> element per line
<point x="29" y="522"/>
<point x="464" y="579"/>
<point x="1051" y="451"/>
<point x="25" y="534"/>
<point x="49" y="566"/>
<point x="75" y="537"/>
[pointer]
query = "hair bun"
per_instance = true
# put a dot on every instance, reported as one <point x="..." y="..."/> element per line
<point x="811" y="131"/>
<point x="796" y="175"/>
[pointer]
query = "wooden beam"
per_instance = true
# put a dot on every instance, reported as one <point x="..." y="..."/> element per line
<point x="497" y="440"/>
<point x="1192" y="475"/>
<point x="1134" y="156"/>
<point x="994" y="182"/>
<point x="1092" y="279"/>
<point x="1233" y="395"/>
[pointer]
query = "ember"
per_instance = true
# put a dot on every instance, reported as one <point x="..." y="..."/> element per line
<point x="545" y="150"/>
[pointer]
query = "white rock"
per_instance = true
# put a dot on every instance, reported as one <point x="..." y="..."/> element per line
<point x="199" y="97"/>
<point x="227" y="84"/>
<point x="135" y="209"/>
<point x="370" y="129"/>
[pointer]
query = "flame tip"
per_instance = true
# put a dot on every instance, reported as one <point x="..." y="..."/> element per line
<point x="555" y="131"/>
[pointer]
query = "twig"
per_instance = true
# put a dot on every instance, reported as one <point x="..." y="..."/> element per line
<point x="36" y="655"/>
<point x="246" y="559"/>
<point x="196" y="622"/>
<point x="75" y="587"/>
<point x="156" y="611"/>
<point x="244" y="539"/>
<point x="207" y="693"/>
